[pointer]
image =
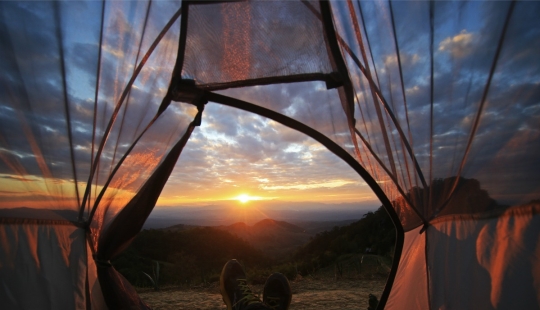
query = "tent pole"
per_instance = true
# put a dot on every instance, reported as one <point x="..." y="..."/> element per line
<point x="341" y="153"/>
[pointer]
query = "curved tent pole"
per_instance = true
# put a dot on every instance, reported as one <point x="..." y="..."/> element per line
<point x="117" y="167"/>
<point x="388" y="110"/>
<point x="396" y="44"/>
<point x="480" y="108"/>
<point x="424" y="221"/>
<point x="377" y="91"/>
<point x="431" y="104"/>
<point x="125" y="225"/>
<point x="96" y="94"/>
<point x="374" y="95"/>
<point x="347" y="92"/>
<point x="326" y="17"/>
<point x="119" y="104"/>
<point x="341" y="153"/>
<point x="60" y="41"/>
<point x="337" y="60"/>
<point x="398" y="54"/>
<point x="121" y="129"/>
<point x="180" y="90"/>
<point x="117" y="291"/>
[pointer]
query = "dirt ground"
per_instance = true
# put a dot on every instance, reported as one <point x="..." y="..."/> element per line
<point x="308" y="294"/>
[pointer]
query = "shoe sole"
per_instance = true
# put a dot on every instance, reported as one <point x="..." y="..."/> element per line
<point x="224" y="294"/>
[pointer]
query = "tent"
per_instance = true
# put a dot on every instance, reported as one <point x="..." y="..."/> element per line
<point x="436" y="105"/>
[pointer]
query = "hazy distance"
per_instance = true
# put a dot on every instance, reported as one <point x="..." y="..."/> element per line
<point x="229" y="212"/>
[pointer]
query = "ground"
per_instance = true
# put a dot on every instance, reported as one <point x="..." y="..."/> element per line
<point x="308" y="293"/>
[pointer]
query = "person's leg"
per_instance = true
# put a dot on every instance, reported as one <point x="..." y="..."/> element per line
<point x="234" y="289"/>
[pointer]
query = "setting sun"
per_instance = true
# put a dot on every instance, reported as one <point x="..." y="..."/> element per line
<point x="243" y="198"/>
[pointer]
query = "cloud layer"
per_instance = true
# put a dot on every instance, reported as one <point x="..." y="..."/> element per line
<point x="234" y="152"/>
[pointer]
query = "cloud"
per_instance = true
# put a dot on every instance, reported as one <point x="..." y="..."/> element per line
<point x="406" y="60"/>
<point x="460" y="45"/>
<point x="262" y="158"/>
<point x="233" y="149"/>
<point x="34" y="124"/>
<point x="466" y="36"/>
<point x="329" y="184"/>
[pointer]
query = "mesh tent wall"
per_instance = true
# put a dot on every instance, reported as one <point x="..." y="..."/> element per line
<point x="435" y="104"/>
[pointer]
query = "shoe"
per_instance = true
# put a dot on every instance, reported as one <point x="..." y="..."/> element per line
<point x="257" y="306"/>
<point x="234" y="289"/>
<point x="277" y="292"/>
<point x="372" y="302"/>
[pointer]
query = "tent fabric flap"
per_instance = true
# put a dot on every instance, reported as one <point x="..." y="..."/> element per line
<point x="472" y="262"/>
<point x="409" y="290"/>
<point x="435" y="104"/>
<point x="117" y="291"/>
<point x="42" y="266"/>
<point x="486" y="263"/>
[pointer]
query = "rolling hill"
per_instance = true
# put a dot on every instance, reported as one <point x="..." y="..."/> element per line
<point x="274" y="238"/>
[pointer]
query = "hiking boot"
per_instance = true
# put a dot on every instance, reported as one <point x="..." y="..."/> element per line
<point x="257" y="306"/>
<point x="277" y="292"/>
<point x="372" y="302"/>
<point x="234" y="289"/>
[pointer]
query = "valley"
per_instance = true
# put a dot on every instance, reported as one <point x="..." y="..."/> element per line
<point x="274" y="238"/>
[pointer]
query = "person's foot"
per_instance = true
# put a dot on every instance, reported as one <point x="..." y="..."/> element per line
<point x="234" y="289"/>
<point x="277" y="292"/>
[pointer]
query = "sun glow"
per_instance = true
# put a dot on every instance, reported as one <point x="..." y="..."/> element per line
<point x="243" y="198"/>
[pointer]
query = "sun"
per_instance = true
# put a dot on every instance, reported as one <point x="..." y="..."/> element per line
<point x="243" y="198"/>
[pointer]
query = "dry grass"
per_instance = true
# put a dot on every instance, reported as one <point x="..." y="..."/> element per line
<point x="308" y="293"/>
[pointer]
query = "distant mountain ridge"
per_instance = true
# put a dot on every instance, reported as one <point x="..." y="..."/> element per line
<point x="270" y="223"/>
<point x="226" y="213"/>
<point x="374" y="234"/>
<point x="274" y="238"/>
<point x="270" y="236"/>
<point x="191" y="254"/>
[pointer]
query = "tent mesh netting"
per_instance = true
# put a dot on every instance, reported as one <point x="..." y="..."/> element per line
<point x="436" y="105"/>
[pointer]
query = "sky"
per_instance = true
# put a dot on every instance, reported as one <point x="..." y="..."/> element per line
<point x="56" y="65"/>
<point x="238" y="153"/>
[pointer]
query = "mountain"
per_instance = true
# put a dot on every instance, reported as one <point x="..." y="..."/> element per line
<point x="179" y="227"/>
<point x="190" y="254"/>
<point x="373" y="234"/>
<point x="315" y="227"/>
<point x="274" y="238"/>
<point x="223" y="213"/>
<point x="185" y="255"/>
<point x="273" y="224"/>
